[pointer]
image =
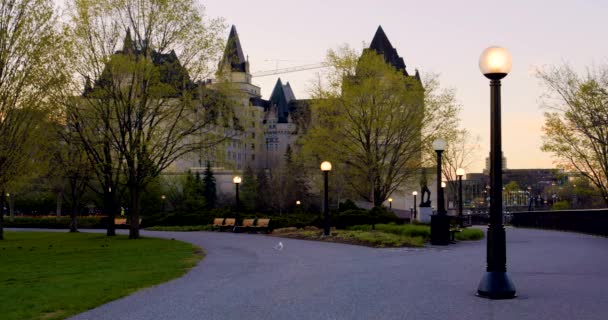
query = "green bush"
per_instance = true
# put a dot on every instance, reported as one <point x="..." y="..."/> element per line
<point x="469" y="234"/>
<point x="295" y="220"/>
<point x="561" y="205"/>
<point x="359" y="217"/>
<point x="406" y="230"/>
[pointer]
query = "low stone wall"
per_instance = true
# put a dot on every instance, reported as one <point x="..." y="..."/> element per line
<point x="586" y="221"/>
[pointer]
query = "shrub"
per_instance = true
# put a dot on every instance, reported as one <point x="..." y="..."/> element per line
<point x="469" y="234"/>
<point x="359" y="217"/>
<point x="406" y="230"/>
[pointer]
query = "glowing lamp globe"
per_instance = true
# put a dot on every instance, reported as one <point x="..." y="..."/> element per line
<point x="495" y="63"/>
<point x="439" y="144"/>
<point x="460" y="172"/>
<point x="325" y="166"/>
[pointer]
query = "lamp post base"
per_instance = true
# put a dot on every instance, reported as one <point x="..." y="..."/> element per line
<point x="496" y="285"/>
<point x="440" y="230"/>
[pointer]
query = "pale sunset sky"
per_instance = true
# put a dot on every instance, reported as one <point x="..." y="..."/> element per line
<point x="438" y="37"/>
<point x="441" y="37"/>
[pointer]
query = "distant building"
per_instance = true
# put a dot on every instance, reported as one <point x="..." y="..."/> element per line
<point x="476" y="185"/>
<point x="486" y="170"/>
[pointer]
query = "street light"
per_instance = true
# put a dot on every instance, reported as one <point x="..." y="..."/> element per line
<point x="298" y="203"/>
<point x="162" y="197"/>
<point x="440" y="222"/>
<point x="237" y="180"/>
<point x="390" y="203"/>
<point x="460" y="172"/>
<point x="495" y="64"/>
<point x="326" y="168"/>
<point x="415" y="193"/>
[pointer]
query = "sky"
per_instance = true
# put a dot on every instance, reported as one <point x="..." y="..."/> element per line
<point x="436" y="37"/>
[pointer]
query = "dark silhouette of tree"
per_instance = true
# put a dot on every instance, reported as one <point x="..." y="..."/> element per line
<point x="209" y="187"/>
<point x="249" y="189"/>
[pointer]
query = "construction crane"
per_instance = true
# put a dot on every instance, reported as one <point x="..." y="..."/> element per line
<point x="289" y="70"/>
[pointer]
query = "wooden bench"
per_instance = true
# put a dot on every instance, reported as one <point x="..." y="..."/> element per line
<point x="453" y="232"/>
<point x="124" y="222"/>
<point x="228" y="224"/>
<point x="247" y="225"/>
<point x="217" y="223"/>
<point x="263" y="225"/>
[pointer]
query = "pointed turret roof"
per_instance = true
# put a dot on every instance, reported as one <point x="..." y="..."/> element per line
<point x="280" y="97"/>
<point x="233" y="53"/>
<point x="127" y="44"/>
<point x="383" y="46"/>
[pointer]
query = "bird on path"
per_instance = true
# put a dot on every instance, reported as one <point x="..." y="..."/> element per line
<point x="279" y="246"/>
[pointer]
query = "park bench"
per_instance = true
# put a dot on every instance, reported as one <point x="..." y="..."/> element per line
<point x="217" y="223"/>
<point x="263" y="225"/>
<point x="228" y="224"/>
<point x="124" y="222"/>
<point x="453" y="232"/>
<point x="247" y="225"/>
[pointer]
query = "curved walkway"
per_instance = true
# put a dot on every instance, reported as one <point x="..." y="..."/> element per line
<point x="558" y="276"/>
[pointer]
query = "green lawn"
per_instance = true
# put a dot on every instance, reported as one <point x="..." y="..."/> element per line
<point x="55" y="275"/>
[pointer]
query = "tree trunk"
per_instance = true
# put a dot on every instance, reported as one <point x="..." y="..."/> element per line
<point x="59" y="203"/>
<point x="110" y="208"/>
<point x="2" y="216"/>
<point x="11" y="206"/>
<point x="134" y="229"/>
<point x="73" y="218"/>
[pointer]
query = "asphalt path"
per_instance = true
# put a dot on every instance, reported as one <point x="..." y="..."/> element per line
<point x="557" y="275"/>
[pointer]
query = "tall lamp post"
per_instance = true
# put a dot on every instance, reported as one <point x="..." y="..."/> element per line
<point x="495" y="64"/>
<point x="237" y="180"/>
<point x="440" y="222"/>
<point x="390" y="203"/>
<point x="415" y="193"/>
<point x="326" y="168"/>
<point x="460" y="172"/>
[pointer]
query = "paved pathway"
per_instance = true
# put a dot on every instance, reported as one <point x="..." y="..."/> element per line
<point x="558" y="276"/>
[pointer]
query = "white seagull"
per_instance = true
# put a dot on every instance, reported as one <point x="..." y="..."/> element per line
<point x="279" y="246"/>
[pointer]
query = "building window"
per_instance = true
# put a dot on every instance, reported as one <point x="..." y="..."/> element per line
<point x="253" y="146"/>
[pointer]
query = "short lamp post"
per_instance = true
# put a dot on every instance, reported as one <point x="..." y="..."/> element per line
<point x="440" y="222"/>
<point x="163" y="198"/>
<point x="237" y="180"/>
<point x="460" y="172"/>
<point x="326" y="168"/>
<point x="390" y="203"/>
<point x="415" y="193"/>
<point x="495" y="64"/>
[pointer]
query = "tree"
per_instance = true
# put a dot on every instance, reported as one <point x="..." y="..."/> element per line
<point x="248" y="191"/>
<point x="262" y="201"/>
<point x="29" y="74"/>
<point x="576" y="125"/>
<point x="193" y="194"/>
<point x="148" y="103"/>
<point x="461" y="152"/>
<point x="209" y="187"/>
<point x="375" y="120"/>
